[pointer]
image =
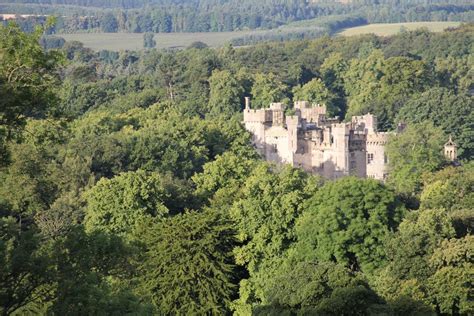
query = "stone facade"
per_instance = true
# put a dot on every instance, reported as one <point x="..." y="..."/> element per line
<point x="451" y="150"/>
<point x="318" y="144"/>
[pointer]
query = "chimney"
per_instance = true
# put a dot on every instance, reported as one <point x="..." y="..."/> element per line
<point x="401" y="127"/>
<point x="247" y="103"/>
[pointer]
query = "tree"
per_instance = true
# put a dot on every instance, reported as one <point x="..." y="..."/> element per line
<point x="198" y="45"/>
<point x="222" y="179"/>
<point x="315" y="288"/>
<point x="347" y="222"/>
<point x="265" y="217"/>
<point x="188" y="267"/>
<point x="454" y="73"/>
<point x="315" y="91"/>
<point x="417" y="150"/>
<point x="402" y="78"/>
<point x="91" y="275"/>
<point x="451" y="285"/>
<point x="449" y="188"/>
<point x="362" y="83"/>
<point x="108" y="23"/>
<point x="449" y="111"/>
<point x="426" y="264"/>
<point x="332" y="72"/>
<point x="25" y="276"/>
<point x="225" y="93"/>
<point x="148" y="40"/>
<point x="169" y="69"/>
<point x="25" y="185"/>
<point x="267" y="88"/>
<point x="382" y="86"/>
<point x="27" y="79"/>
<point x="119" y="204"/>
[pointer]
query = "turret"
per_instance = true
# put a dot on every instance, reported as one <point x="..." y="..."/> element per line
<point x="451" y="150"/>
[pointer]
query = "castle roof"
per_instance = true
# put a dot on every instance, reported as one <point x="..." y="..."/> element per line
<point x="450" y="142"/>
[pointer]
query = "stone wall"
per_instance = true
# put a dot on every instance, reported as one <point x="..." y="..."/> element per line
<point x="316" y="143"/>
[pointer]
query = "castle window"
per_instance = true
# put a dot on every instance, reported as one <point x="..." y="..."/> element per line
<point x="385" y="158"/>
<point x="370" y="158"/>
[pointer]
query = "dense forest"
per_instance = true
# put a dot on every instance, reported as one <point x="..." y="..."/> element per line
<point x="214" y="16"/>
<point x="129" y="186"/>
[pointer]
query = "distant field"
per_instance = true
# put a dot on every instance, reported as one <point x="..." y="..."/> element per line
<point x="386" y="29"/>
<point x="134" y="41"/>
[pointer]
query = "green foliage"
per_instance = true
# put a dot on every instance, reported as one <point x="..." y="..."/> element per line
<point x="427" y="264"/>
<point x="449" y="188"/>
<point x="27" y="74"/>
<point x="188" y="267"/>
<point x="119" y="204"/>
<point x="449" y="111"/>
<point x="85" y="266"/>
<point x="456" y="73"/>
<point x="109" y="23"/>
<point x="451" y="285"/>
<point x="26" y="185"/>
<point x="267" y="88"/>
<point x="25" y="276"/>
<point x="225" y="93"/>
<point x="355" y="300"/>
<point x="223" y="178"/>
<point x="419" y="234"/>
<point x="382" y="86"/>
<point x="265" y="216"/>
<point x="148" y="40"/>
<point x="307" y="285"/>
<point x="27" y="79"/>
<point x="347" y="221"/>
<point x="417" y="150"/>
<point x="150" y="135"/>
<point x="315" y="91"/>
<point x="332" y="72"/>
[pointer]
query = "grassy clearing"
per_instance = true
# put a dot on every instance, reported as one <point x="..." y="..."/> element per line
<point x="134" y="41"/>
<point x="386" y="29"/>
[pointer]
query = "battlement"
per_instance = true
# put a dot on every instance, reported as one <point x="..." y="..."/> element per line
<point x="316" y="143"/>
<point x="377" y="139"/>
<point x="307" y="105"/>
<point x="258" y="116"/>
<point x="277" y="106"/>
<point x="367" y="122"/>
<point x="341" y="128"/>
<point x="292" y="120"/>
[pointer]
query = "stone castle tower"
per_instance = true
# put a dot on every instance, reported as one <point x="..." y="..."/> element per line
<point x="316" y="143"/>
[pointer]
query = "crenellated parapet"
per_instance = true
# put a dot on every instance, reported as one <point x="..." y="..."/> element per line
<point x="316" y="143"/>
<point x="377" y="139"/>
<point x="367" y="123"/>
<point x="258" y="116"/>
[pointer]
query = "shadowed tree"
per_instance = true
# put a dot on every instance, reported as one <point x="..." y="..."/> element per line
<point x="188" y="268"/>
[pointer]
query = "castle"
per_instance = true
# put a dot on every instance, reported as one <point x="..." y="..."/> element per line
<point x="316" y="143"/>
